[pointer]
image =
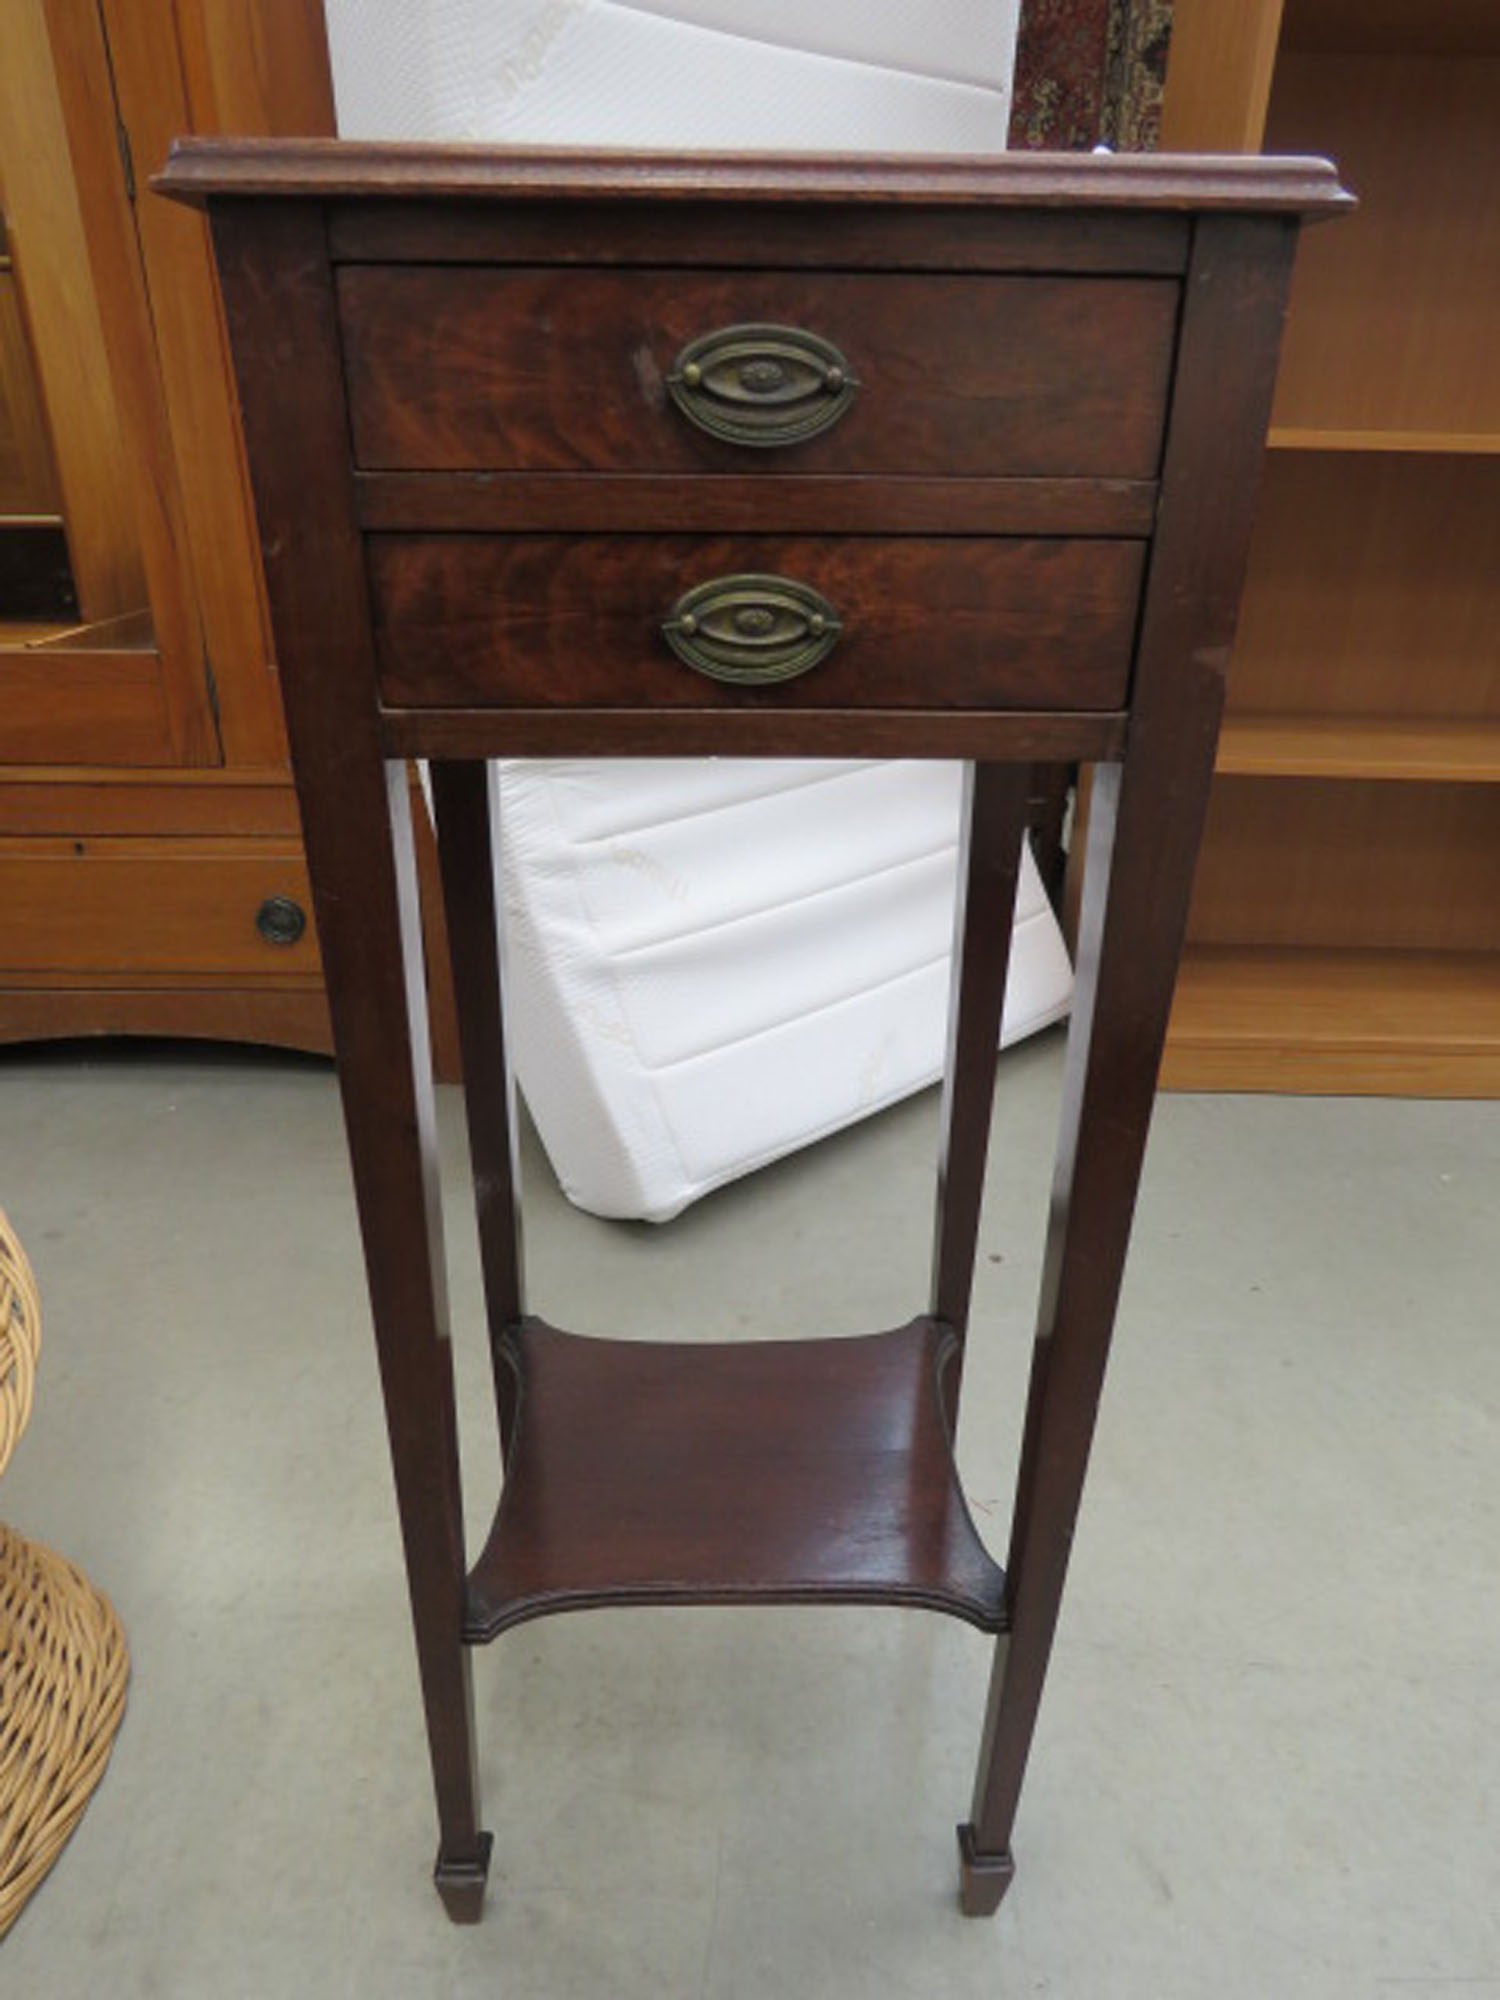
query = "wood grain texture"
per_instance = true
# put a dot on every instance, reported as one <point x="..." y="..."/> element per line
<point x="567" y="370"/>
<point x="256" y="66"/>
<point x="24" y="633"/>
<point x="142" y="906"/>
<point x="1374" y="590"/>
<point x="1316" y="437"/>
<point x="1145" y="821"/>
<point x="61" y="707"/>
<point x="169" y="804"/>
<point x="199" y="168"/>
<point x="466" y="811"/>
<point x="99" y="979"/>
<point x="818" y="1470"/>
<point x="53" y="271"/>
<point x="800" y="503"/>
<point x="171" y="64"/>
<point x="767" y="1472"/>
<point x="216" y="66"/>
<point x="1424" y="1024"/>
<point x="1393" y="317"/>
<point x="750" y="236"/>
<point x="81" y="62"/>
<point x="1219" y="75"/>
<point x="279" y="305"/>
<point x="1341" y="746"/>
<point x="541" y="621"/>
<point x="131" y="632"/>
<point x="28" y="476"/>
<point x="217" y="553"/>
<point x="175" y="852"/>
<point x="1366" y="647"/>
<point x="1041" y="736"/>
<point x="1354" y="863"/>
<point x="294" y="1019"/>
<point x="996" y="808"/>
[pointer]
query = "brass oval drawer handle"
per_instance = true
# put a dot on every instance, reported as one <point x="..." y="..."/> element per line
<point x="752" y="630"/>
<point x="762" y="385"/>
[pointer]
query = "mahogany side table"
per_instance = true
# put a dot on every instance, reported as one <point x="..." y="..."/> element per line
<point x="558" y="454"/>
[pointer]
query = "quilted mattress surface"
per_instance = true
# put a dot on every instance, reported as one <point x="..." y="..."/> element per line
<point x="897" y="75"/>
<point x="714" y="963"/>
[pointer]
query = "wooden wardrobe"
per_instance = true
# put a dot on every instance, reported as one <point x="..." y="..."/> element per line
<point x="151" y="871"/>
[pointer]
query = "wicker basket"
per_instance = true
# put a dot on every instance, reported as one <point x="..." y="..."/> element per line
<point x="63" y="1659"/>
<point x="20" y="1339"/>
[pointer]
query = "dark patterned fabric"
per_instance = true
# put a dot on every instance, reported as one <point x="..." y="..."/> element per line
<point x="1090" y="71"/>
<point x="1140" y="32"/>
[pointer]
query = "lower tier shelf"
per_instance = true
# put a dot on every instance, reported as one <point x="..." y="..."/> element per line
<point x="776" y="1472"/>
<point x="1370" y="1023"/>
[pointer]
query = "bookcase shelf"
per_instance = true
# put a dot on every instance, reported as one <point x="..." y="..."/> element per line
<point x="1344" y="932"/>
<point x="1335" y="746"/>
<point x="1353" y="863"/>
<point x="1307" y="437"/>
<point x="1393" y="318"/>
<point x="1360" y="1023"/>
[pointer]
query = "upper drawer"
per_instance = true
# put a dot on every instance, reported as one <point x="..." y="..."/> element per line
<point x="546" y="370"/>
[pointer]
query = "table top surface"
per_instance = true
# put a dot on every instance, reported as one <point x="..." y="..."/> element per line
<point x="198" y="168"/>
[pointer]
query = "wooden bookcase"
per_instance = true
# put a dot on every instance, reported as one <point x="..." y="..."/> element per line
<point x="146" y="818"/>
<point x="1345" y="933"/>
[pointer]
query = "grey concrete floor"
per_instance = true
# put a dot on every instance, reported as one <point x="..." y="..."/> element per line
<point x="1269" y="1759"/>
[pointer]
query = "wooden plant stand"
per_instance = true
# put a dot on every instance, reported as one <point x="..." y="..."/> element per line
<point x="570" y="455"/>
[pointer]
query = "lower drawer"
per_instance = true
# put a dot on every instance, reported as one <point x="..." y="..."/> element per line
<point x="547" y="621"/>
<point x="142" y="906"/>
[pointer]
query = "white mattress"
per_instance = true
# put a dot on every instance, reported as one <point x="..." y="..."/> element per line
<point x="714" y="963"/>
<point x="893" y="75"/>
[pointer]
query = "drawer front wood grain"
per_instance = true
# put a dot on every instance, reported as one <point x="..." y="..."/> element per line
<point x="150" y="906"/>
<point x="544" y="621"/>
<point x="546" y="370"/>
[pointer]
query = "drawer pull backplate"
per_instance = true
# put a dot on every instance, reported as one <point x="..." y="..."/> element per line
<point x="762" y="385"/>
<point x="752" y="630"/>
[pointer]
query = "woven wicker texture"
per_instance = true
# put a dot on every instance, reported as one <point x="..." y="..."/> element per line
<point x="20" y="1339"/>
<point x="63" y="1670"/>
<point x="63" y="1660"/>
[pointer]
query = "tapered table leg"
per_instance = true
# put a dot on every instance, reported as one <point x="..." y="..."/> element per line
<point x="1145" y="823"/>
<point x="466" y="806"/>
<point x="277" y="286"/>
<point x="373" y="966"/>
<point x="1119" y="1024"/>
<point x="995" y="806"/>
<point x="1093" y="1200"/>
